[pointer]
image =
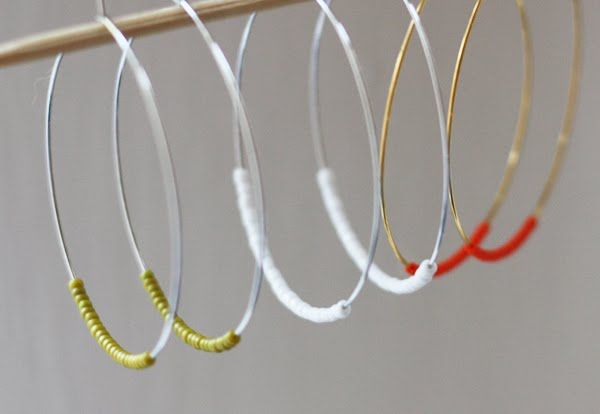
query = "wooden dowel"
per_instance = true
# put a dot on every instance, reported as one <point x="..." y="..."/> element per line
<point x="87" y="35"/>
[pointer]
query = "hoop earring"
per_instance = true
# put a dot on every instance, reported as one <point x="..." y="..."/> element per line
<point x="76" y="285"/>
<point x="279" y="286"/>
<point x="187" y="334"/>
<point x="327" y="184"/>
<point x="530" y="223"/>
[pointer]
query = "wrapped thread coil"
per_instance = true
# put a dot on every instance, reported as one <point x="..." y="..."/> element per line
<point x="101" y="334"/>
<point x="188" y="335"/>
<point x="508" y="248"/>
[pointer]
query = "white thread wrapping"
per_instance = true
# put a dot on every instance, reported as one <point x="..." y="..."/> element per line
<point x="337" y="215"/>
<point x="246" y="206"/>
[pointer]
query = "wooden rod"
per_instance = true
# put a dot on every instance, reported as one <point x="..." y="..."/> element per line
<point x="92" y="34"/>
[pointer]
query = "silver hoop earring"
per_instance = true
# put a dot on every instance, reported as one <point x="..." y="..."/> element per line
<point x="327" y="183"/>
<point x="274" y="276"/>
<point x="76" y="286"/>
<point x="187" y="334"/>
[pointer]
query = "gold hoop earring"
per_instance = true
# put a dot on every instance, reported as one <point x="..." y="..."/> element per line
<point x="530" y="223"/>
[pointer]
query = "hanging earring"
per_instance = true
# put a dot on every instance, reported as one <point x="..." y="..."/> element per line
<point x="76" y="285"/>
<point x="530" y="223"/>
<point x="182" y="330"/>
<point x="279" y="286"/>
<point x="330" y="193"/>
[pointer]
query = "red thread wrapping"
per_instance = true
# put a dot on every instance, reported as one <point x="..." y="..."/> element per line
<point x="457" y="258"/>
<point x="510" y="247"/>
<point x="411" y="268"/>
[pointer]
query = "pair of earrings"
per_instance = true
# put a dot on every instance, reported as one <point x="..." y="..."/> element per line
<point x="471" y="245"/>
<point x="166" y="305"/>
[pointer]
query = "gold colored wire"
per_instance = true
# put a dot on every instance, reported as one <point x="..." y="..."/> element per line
<point x="387" y="116"/>
<point x="570" y="112"/>
<point x="522" y="122"/>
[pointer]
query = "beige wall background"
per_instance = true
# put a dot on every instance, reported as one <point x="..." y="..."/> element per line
<point x="518" y="336"/>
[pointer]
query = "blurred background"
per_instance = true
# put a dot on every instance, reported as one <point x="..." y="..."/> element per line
<point x="517" y="336"/>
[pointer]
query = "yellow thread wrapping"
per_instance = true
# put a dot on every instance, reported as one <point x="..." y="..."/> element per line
<point x="101" y="334"/>
<point x="182" y="330"/>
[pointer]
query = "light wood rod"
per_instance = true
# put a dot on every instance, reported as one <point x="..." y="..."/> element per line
<point x="87" y="35"/>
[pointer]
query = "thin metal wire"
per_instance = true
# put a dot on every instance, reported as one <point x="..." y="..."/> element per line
<point x="442" y="124"/>
<point x="351" y="56"/>
<point x="314" y="102"/>
<point x="249" y="146"/>
<point x="570" y="111"/>
<point x="100" y="8"/>
<point x="441" y="115"/>
<point x="117" y="163"/>
<point x="168" y="173"/>
<point x="387" y="115"/>
<point x="239" y="74"/>
<point x="125" y="215"/>
<point x="50" y="166"/>
<point x="514" y="156"/>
